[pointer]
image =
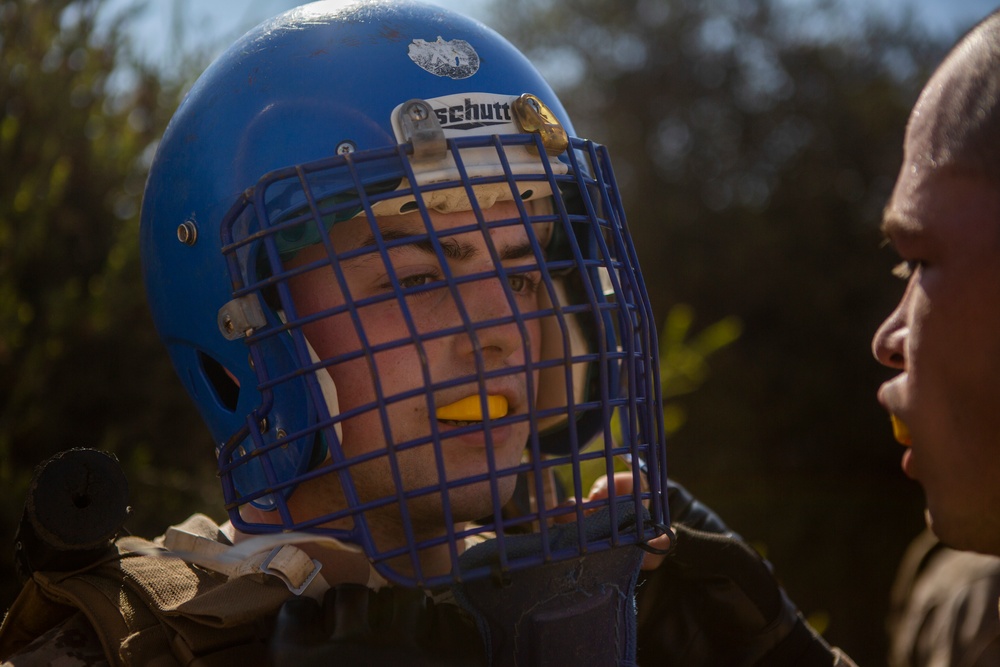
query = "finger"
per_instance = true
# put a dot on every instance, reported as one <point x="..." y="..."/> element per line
<point x="623" y="481"/>
<point x="599" y="489"/>
<point x="566" y="516"/>
<point x="297" y="625"/>
<point x="651" y="561"/>
<point x="687" y="510"/>
<point x="350" y="611"/>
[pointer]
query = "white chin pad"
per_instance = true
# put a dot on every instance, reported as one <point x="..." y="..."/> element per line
<point x="329" y="390"/>
<point x="326" y="385"/>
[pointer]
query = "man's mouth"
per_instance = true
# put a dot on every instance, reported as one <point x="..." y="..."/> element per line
<point x="469" y="410"/>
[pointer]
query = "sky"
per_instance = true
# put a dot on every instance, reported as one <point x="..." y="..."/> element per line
<point x="215" y="24"/>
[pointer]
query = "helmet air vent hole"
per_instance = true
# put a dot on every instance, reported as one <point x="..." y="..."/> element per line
<point x="227" y="391"/>
<point x="408" y="207"/>
<point x="526" y="195"/>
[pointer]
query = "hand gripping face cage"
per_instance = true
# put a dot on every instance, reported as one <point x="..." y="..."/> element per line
<point x="423" y="344"/>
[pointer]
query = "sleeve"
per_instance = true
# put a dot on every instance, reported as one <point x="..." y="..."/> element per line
<point x="948" y="615"/>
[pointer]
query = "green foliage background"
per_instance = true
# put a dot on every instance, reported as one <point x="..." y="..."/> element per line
<point x="755" y="147"/>
<point x="80" y="364"/>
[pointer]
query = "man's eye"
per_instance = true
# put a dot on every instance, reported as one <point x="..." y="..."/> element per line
<point x="905" y="269"/>
<point x="522" y="283"/>
<point x="415" y="281"/>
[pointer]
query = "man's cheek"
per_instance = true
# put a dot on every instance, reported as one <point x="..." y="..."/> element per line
<point x="332" y="336"/>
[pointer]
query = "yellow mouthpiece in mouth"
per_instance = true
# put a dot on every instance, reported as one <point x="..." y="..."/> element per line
<point x="469" y="409"/>
<point x="900" y="431"/>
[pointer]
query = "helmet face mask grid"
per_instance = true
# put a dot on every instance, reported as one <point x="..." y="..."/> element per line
<point x="562" y="257"/>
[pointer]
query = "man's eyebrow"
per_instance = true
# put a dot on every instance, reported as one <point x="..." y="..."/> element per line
<point x="422" y="243"/>
<point x="518" y="251"/>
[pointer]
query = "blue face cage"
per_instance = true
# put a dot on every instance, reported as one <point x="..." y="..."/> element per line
<point x="593" y="388"/>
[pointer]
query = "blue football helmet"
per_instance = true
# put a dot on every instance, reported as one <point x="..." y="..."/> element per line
<point x="378" y="256"/>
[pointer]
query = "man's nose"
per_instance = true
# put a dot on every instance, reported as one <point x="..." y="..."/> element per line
<point x="889" y="342"/>
<point x="494" y="321"/>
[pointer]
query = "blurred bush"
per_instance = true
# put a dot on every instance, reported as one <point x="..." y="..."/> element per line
<point x="80" y="364"/>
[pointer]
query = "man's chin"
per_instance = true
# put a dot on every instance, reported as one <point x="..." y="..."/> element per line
<point x="961" y="534"/>
<point x="475" y="501"/>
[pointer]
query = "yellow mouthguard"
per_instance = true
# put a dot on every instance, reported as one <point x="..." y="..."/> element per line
<point x="469" y="409"/>
<point x="900" y="431"/>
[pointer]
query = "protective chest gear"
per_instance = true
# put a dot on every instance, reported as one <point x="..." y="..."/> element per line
<point x="385" y="269"/>
<point x="149" y="609"/>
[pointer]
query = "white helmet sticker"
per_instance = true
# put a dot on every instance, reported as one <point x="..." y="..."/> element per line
<point x="455" y="59"/>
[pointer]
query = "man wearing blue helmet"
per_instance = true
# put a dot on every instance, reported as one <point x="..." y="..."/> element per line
<point x="403" y="296"/>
